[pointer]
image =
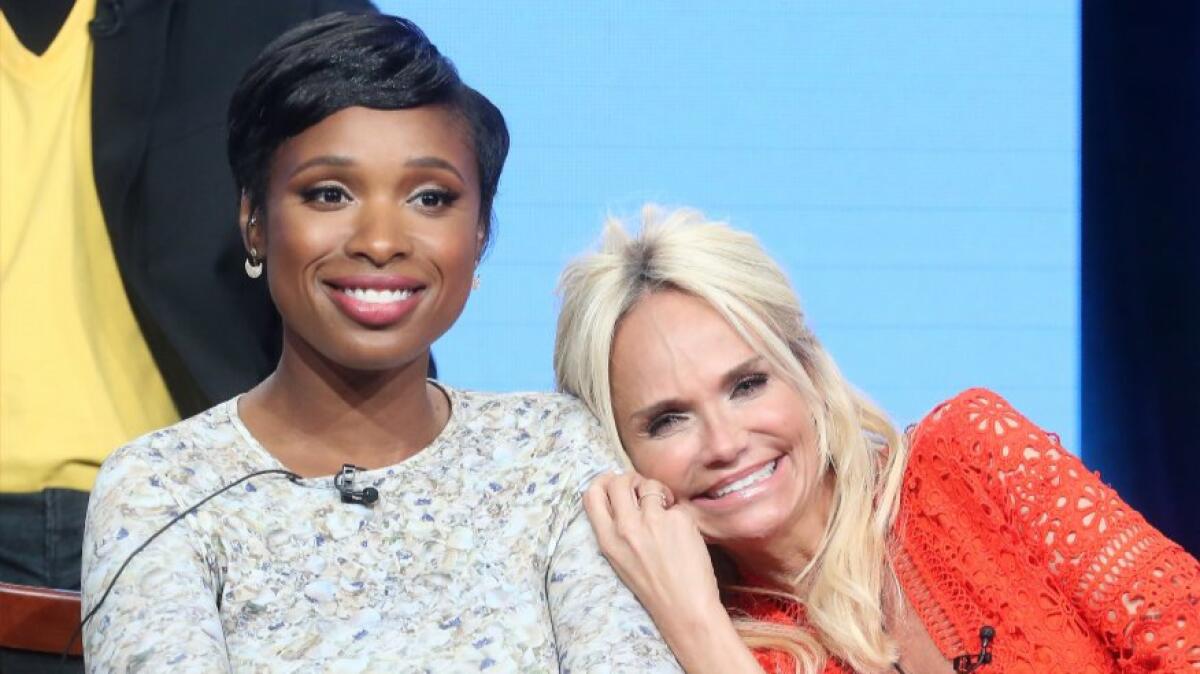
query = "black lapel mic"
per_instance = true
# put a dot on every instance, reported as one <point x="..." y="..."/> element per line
<point x="344" y="483"/>
<point x="964" y="664"/>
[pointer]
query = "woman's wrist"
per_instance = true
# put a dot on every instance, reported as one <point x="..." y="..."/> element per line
<point x="708" y="643"/>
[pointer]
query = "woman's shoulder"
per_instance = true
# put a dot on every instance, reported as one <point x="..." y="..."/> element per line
<point x="979" y="429"/>
<point x="527" y="409"/>
<point x="185" y="451"/>
<point x="542" y="423"/>
<point x="541" y="402"/>
<point x="973" y="413"/>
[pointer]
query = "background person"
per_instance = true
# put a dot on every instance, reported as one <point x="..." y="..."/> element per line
<point x="368" y="171"/>
<point x="123" y="306"/>
<point x="839" y="545"/>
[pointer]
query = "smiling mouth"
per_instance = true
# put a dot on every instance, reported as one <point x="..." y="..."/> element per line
<point x="373" y="296"/>
<point x="744" y="483"/>
<point x="385" y="304"/>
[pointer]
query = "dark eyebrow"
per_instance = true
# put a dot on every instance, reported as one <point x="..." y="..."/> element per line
<point x="415" y="162"/>
<point x="434" y="163"/>
<point x="324" y="160"/>
<point x="744" y="368"/>
<point x="727" y="381"/>
<point x="653" y="410"/>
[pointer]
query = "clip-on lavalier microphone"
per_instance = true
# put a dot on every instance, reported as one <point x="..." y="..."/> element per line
<point x="344" y="483"/>
<point x="964" y="664"/>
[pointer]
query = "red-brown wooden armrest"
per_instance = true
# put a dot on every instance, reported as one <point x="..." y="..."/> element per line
<point x="38" y="618"/>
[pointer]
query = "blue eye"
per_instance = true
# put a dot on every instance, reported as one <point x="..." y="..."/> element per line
<point x="749" y="384"/>
<point x="662" y="423"/>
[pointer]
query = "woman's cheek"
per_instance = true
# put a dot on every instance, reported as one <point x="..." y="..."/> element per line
<point x="673" y="466"/>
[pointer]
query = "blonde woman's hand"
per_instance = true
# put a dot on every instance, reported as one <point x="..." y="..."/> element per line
<point x="658" y="552"/>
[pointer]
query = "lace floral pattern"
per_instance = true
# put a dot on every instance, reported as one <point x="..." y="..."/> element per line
<point x="1000" y="525"/>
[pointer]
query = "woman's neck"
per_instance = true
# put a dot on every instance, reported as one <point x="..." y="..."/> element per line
<point x="778" y="560"/>
<point x="315" y="415"/>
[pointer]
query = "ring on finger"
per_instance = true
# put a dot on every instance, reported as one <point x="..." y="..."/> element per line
<point x="660" y="495"/>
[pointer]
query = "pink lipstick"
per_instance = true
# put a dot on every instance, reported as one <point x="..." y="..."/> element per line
<point x="375" y="300"/>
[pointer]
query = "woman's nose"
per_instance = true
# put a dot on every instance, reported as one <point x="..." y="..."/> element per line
<point x="725" y="439"/>
<point x="380" y="234"/>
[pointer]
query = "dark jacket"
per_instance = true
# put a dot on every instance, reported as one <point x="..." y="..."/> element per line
<point x="164" y="73"/>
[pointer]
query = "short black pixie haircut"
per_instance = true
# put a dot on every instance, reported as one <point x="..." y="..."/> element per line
<point x="344" y="60"/>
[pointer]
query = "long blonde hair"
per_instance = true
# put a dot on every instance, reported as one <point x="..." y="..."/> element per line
<point x="846" y="579"/>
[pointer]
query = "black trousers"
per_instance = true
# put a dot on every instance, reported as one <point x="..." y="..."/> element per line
<point x="41" y="543"/>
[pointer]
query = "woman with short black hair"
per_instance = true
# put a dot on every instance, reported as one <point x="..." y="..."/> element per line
<point x="362" y="517"/>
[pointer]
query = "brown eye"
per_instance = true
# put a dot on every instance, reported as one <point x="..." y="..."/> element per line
<point x="325" y="194"/>
<point x="433" y="199"/>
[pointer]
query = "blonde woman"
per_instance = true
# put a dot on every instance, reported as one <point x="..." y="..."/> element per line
<point x="777" y="520"/>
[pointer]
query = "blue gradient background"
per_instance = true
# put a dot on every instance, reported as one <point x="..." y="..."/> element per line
<point x="915" y="167"/>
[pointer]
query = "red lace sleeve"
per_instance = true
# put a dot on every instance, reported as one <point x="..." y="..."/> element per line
<point x="771" y="610"/>
<point x="1140" y="590"/>
<point x="774" y="662"/>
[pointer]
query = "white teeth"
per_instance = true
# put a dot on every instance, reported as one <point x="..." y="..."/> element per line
<point x="751" y="479"/>
<point x="373" y="296"/>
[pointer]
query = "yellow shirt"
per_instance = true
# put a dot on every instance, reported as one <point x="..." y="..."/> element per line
<point x="76" y="376"/>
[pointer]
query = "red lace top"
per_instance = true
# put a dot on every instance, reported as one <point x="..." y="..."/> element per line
<point x="1000" y="526"/>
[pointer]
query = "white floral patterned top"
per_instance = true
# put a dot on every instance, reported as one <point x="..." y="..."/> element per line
<point x="477" y="556"/>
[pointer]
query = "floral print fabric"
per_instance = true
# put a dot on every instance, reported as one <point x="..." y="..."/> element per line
<point x="477" y="556"/>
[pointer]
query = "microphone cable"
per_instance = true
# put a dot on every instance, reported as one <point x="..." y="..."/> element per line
<point x="293" y="477"/>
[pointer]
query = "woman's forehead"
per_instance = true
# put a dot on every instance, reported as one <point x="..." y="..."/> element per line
<point x="366" y="135"/>
<point x="671" y="339"/>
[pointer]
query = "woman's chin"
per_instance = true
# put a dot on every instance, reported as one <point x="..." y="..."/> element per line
<point x="373" y="358"/>
<point x="753" y="529"/>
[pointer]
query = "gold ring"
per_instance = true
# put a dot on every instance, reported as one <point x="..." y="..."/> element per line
<point x="657" y="494"/>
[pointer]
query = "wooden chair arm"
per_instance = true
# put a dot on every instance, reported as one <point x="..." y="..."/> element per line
<point x="38" y="619"/>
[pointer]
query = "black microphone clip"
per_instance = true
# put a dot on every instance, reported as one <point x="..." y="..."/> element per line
<point x="344" y="483"/>
<point x="965" y="664"/>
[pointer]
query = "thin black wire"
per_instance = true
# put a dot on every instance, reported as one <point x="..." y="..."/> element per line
<point x="79" y="630"/>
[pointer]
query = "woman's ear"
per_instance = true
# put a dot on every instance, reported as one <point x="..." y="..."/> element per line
<point x="479" y="239"/>
<point x="253" y="232"/>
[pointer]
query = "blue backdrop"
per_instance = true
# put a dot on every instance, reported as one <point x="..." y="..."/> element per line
<point x="915" y="167"/>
